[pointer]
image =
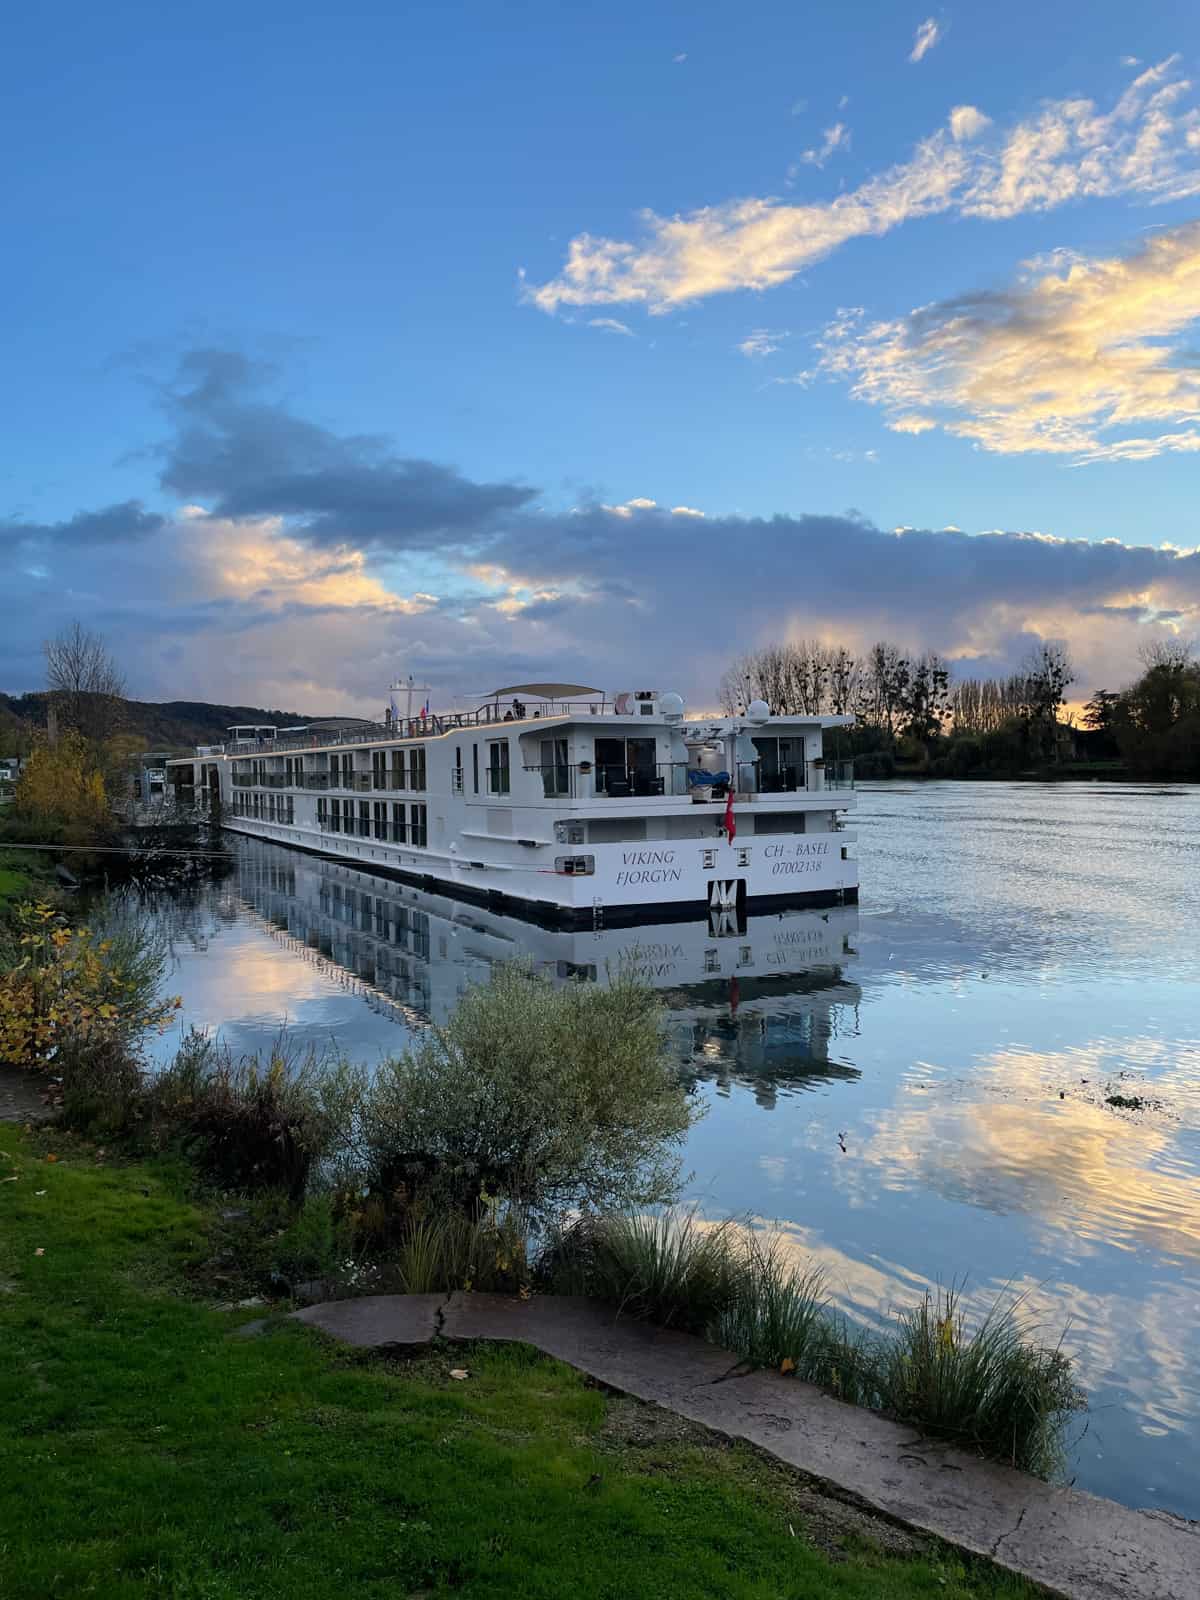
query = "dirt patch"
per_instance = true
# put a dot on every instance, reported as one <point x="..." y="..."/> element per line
<point x="653" y="1440"/>
<point x="23" y="1096"/>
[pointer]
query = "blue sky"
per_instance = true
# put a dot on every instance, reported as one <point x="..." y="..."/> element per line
<point x="605" y="258"/>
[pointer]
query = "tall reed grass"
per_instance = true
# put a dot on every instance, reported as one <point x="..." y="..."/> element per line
<point x="995" y="1390"/>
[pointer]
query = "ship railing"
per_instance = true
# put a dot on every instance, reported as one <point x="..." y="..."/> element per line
<point x="411" y="833"/>
<point x="838" y="775"/>
<point x="755" y="778"/>
<point x="437" y="722"/>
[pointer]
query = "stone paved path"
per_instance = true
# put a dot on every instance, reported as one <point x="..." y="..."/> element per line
<point x="1073" y="1543"/>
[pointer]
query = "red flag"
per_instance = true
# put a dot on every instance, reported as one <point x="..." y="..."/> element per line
<point x="730" y="824"/>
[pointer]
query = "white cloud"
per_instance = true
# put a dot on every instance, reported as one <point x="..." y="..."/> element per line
<point x="1146" y="145"/>
<point x="682" y="56"/>
<point x="843" y="102"/>
<point x="762" y="342"/>
<point x="1131" y="61"/>
<point x="835" y="138"/>
<point x="927" y="35"/>
<point x="685" y="511"/>
<point x="968" y="122"/>
<point x="1068" y="361"/>
<point x="611" y="325"/>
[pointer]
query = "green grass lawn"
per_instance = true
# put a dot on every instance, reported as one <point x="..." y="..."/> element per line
<point x="143" y="1452"/>
<point x="23" y="875"/>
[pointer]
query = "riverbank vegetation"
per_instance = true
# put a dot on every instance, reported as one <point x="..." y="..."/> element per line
<point x="995" y="1390"/>
<point x="145" y="1452"/>
<point x="77" y="801"/>
<point x="455" y="1164"/>
<point x="915" y="718"/>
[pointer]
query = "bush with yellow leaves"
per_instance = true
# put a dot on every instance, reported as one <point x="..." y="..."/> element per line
<point x="75" y="990"/>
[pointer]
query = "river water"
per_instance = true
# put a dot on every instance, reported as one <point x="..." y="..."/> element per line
<point x="914" y="1091"/>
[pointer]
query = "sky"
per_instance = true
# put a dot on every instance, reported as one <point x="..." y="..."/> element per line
<point x="500" y="343"/>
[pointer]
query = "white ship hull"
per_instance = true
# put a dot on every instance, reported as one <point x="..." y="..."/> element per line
<point x="674" y="880"/>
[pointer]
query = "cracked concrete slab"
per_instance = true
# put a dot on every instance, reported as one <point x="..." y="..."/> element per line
<point x="376" y="1321"/>
<point x="1071" y="1542"/>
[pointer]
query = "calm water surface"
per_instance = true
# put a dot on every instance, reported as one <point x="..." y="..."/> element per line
<point x="1021" y="952"/>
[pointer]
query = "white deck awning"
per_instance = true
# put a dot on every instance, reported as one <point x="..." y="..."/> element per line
<point x="546" y="691"/>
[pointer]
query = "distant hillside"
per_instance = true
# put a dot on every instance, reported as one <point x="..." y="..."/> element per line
<point x="170" y="725"/>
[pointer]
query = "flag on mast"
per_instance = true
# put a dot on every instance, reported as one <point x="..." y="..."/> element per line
<point x="730" y="824"/>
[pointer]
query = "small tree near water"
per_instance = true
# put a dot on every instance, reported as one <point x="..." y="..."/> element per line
<point x="545" y="1098"/>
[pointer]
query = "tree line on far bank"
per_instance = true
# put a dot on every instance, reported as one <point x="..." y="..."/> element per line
<point x="909" y="708"/>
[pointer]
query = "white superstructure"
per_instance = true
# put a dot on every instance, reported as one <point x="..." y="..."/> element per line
<point x="550" y="798"/>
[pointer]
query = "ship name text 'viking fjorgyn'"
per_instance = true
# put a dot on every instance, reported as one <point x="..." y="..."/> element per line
<point x="556" y="801"/>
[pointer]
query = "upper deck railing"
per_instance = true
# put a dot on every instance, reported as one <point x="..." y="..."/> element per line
<point x="437" y="722"/>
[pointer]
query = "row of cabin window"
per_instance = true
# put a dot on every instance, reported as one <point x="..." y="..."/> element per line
<point x="369" y="819"/>
<point x="265" y="807"/>
<point x="389" y="770"/>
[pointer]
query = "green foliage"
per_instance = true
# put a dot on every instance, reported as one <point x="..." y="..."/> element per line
<point x="146" y="1454"/>
<point x="545" y="1098"/>
<point x="62" y="784"/>
<point x="994" y="1391"/>
<point x="71" y="990"/>
<point x="317" y="1243"/>
<point x="875" y="764"/>
<point x="488" y="1252"/>
<point x="997" y="1391"/>
<point x="673" y="1269"/>
<point x="1157" y="720"/>
<point x="251" y="1124"/>
<point x="779" y="1316"/>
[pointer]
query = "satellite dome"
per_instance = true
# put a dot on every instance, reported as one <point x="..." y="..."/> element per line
<point x="758" y="711"/>
<point x="671" y="706"/>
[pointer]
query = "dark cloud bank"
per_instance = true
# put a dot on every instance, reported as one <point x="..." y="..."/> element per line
<point x="611" y="592"/>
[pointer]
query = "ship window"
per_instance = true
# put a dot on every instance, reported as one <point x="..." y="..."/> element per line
<point x="416" y="768"/>
<point x="475" y="765"/>
<point x="555" y="768"/>
<point x="780" y="764"/>
<point x="419" y="828"/>
<point x="399" y="826"/>
<point x="779" y="822"/>
<point x="397" y="769"/>
<point x="617" y="830"/>
<point x="498" y="775"/>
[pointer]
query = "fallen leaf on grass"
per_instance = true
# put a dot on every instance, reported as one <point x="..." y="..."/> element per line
<point x="39" y="1191"/>
<point x="459" y="1372"/>
<point x="787" y="1365"/>
<point x="39" y="1251"/>
<point x="51" y="1158"/>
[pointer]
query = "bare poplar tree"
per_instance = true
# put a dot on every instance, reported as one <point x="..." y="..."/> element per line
<point x="84" y="681"/>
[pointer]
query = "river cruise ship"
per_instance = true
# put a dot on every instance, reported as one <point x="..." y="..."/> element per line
<point x="569" y="806"/>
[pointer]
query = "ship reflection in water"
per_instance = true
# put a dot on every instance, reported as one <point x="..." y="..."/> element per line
<point x="755" y="1004"/>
